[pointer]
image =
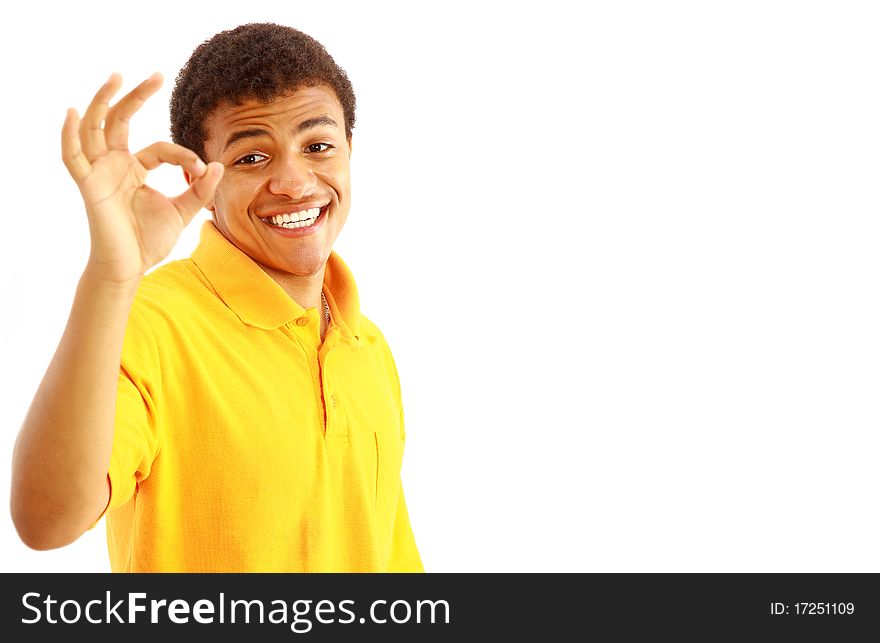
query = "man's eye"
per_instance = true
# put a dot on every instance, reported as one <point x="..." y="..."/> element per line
<point x="249" y="159"/>
<point x="314" y="147"/>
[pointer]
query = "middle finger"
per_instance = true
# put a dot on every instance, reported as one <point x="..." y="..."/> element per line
<point x="116" y="128"/>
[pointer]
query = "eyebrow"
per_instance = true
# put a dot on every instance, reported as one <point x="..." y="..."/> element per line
<point x="256" y="132"/>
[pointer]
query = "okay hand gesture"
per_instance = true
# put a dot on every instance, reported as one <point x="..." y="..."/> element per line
<point x="132" y="226"/>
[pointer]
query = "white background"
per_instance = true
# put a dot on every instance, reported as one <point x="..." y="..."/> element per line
<point x="625" y="255"/>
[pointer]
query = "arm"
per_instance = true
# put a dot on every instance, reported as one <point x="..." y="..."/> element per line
<point x="61" y="456"/>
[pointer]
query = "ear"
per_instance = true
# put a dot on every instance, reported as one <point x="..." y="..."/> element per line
<point x="189" y="180"/>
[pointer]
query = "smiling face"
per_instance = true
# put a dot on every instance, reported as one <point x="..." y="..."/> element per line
<point x="285" y="192"/>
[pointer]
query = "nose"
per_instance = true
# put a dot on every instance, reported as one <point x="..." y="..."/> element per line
<point x="292" y="176"/>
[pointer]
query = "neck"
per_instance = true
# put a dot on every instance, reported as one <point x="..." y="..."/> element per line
<point x="304" y="290"/>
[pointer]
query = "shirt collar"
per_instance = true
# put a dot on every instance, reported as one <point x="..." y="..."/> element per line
<point x="256" y="298"/>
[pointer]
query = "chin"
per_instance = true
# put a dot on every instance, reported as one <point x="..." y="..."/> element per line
<point x="306" y="265"/>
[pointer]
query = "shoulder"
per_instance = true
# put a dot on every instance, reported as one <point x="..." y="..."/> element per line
<point x="170" y="290"/>
<point x="370" y="335"/>
<point x="170" y="298"/>
<point x="370" y="331"/>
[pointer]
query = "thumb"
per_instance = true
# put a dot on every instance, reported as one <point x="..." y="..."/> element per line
<point x="200" y="192"/>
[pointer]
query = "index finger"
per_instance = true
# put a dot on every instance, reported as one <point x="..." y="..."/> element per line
<point x="161" y="152"/>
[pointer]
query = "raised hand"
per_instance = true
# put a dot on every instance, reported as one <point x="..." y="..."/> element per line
<point x="132" y="226"/>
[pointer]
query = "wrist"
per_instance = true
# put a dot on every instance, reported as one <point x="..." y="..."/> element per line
<point x="94" y="277"/>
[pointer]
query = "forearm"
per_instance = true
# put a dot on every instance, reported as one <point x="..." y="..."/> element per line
<point x="61" y="457"/>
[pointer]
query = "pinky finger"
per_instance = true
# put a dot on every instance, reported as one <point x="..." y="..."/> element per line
<point x="71" y="148"/>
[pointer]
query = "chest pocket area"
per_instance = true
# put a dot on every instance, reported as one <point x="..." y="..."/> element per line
<point x="358" y="384"/>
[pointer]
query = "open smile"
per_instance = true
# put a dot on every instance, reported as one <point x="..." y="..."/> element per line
<point x="297" y="223"/>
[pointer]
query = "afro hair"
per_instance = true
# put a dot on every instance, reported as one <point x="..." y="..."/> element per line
<point x="257" y="61"/>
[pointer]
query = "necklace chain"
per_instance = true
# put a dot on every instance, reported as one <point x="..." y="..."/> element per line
<point x="326" y="309"/>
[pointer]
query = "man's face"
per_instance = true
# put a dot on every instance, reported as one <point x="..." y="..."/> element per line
<point x="288" y="157"/>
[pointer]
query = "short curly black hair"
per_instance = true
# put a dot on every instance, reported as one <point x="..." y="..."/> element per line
<point x="256" y="61"/>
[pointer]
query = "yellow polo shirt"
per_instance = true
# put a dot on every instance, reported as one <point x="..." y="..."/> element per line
<point x="242" y="442"/>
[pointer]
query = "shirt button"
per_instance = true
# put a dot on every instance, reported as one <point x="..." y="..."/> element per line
<point x="302" y="321"/>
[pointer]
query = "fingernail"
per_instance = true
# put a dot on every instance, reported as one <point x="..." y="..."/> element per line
<point x="200" y="166"/>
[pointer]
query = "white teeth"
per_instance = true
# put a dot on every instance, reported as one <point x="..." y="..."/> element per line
<point x="299" y="219"/>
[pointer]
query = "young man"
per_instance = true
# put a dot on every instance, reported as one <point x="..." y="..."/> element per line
<point x="233" y="411"/>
